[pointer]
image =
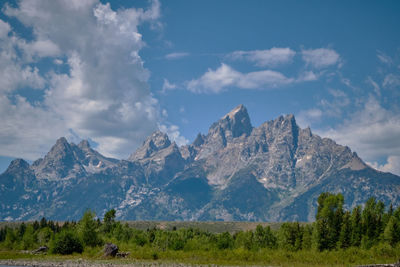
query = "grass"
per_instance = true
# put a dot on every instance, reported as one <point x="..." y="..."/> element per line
<point x="350" y="257"/>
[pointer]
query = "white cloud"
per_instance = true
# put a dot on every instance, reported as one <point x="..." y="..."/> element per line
<point x="374" y="85"/>
<point x="216" y="81"/>
<point x="391" y="80"/>
<point x="5" y="28"/>
<point x="176" y="55"/>
<point x="307" y="76"/>
<point x="27" y="130"/>
<point x="321" y="57"/>
<point x="105" y="95"/>
<point x="262" y="58"/>
<point x="58" y="61"/>
<point x="306" y="118"/>
<point x="173" y="133"/>
<point x="384" y="58"/>
<point x="392" y="165"/>
<point x="168" y="86"/>
<point x="372" y="131"/>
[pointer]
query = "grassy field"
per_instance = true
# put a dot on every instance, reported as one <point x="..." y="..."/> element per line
<point x="240" y="257"/>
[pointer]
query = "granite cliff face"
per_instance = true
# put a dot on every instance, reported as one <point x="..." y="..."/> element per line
<point x="273" y="172"/>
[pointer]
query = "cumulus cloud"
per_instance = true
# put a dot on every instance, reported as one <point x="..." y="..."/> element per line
<point x="15" y="72"/>
<point x="262" y="58"/>
<point x="27" y="130"/>
<point x="321" y="57"/>
<point x="216" y="81"/>
<point x="104" y="95"/>
<point x="176" y="55"/>
<point x="372" y="131"/>
<point x="392" y="165"/>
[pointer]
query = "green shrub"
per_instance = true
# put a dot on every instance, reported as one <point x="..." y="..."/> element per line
<point x="66" y="242"/>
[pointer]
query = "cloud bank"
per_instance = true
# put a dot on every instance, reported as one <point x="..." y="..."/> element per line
<point x="104" y="94"/>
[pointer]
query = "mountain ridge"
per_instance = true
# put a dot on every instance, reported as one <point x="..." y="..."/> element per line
<point x="272" y="172"/>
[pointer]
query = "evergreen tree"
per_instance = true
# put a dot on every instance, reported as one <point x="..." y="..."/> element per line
<point x="29" y="239"/>
<point x="372" y="221"/>
<point x="263" y="237"/>
<point x="290" y="236"/>
<point x="88" y="231"/>
<point x="109" y="221"/>
<point x="392" y="231"/>
<point x="345" y="232"/>
<point x="307" y="237"/>
<point x="356" y="227"/>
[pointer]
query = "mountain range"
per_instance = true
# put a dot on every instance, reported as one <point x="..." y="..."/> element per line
<point x="235" y="172"/>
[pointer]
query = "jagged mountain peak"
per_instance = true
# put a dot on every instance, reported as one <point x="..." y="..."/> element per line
<point x="159" y="140"/>
<point x="286" y="120"/>
<point x="61" y="146"/>
<point x="239" y="110"/>
<point x="233" y="124"/>
<point x="17" y="164"/>
<point x="84" y="145"/>
<point x="199" y="140"/>
<point x="155" y="142"/>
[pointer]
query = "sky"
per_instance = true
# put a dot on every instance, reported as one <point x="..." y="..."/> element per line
<point x="114" y="71"/>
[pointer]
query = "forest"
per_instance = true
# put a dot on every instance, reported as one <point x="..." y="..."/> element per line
<point x="366" y="234"/>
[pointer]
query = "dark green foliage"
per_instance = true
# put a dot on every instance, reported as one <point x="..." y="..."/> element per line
<point x="307" y="237"/>
<point x="345" y="232"/>
<point x="392" y="231"/>
<point x="335" y="229"/>
<point x="290" y="236"/>
<point x="244" y="240"/>
<point x="30" y="238"/>
<point x="329" y="220"/>
<point x="264" y="238"/>
<point x="109" y="221"/>
<point x="44" y="235"/>
<point x="3" y="232"/>
<point x="356" y="227"/>
<point x="224" y="241"/>
<point x="88" y="230"/>
<point x="66" y="242"/>
<point x="372" y="216"/>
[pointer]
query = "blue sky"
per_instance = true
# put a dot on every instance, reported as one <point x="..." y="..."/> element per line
<point x="114" y="71"/>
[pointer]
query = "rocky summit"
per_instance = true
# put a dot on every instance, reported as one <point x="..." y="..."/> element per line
<point x="235" y="172"/>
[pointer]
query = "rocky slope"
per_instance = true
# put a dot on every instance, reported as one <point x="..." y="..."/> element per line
<point x="273" y="172"/>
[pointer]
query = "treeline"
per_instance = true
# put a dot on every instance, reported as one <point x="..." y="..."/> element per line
<point x="334" y="229"/>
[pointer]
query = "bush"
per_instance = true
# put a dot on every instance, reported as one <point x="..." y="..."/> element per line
<point x="66" y="242"/>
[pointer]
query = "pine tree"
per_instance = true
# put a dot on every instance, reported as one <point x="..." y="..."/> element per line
<point x="345" y="232"/>
<point x="391" y="233"/>
<point x="109" y="221"/>
<point x="356" y="227"/>
<point x="88" y="231"/>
